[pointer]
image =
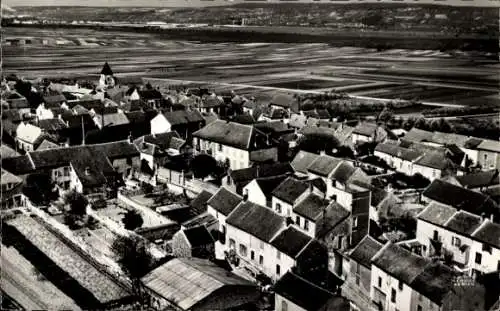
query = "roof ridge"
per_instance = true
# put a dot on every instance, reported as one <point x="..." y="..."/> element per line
<point x="311" y="283"/>
<point x="481" y="226"/>
<point x="305" y="246"/>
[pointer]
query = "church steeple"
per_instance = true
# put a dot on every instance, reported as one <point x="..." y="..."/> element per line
<point x="107" y="79"/>
<point x="106" y="70"/>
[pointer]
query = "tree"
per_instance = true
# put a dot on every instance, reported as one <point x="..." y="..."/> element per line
<point x="132" y="220"/>
<point x="203" y="165"/>
<point x="385" y="115"/>
<point x="77" y="203"/>
<point x="40" y="189"/>
<point x="133" y="255"/>
<point x="316" y="143"/>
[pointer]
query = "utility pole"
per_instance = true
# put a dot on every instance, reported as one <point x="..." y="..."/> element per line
<point x="83" y="131"/>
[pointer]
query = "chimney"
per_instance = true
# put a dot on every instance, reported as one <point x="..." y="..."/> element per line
<point x="334" y="197"/>
<point x="483" y="216"/>
<point x="130" y="138"/>
<point x="87" y="171"/>
<point x="311" y="188"/>
<point x="257" y="171"/>
<point x="245" y="195"/>
<point x="492" y="218"/>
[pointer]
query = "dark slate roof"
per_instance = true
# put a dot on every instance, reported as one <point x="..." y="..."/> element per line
<point x="224" y="201"/>
<point x="161" y="232"/>
<point x="291" y="241"/>
<point x="268" y="184"/>
<point x="311" y="207"/>
<point x="479" y="179"/>
<point x="473" y="142"/>
<point x="183" y="117"/>
<point x="461" y="198"/>
<point x="489" y="233"/>
<point x="343" y="172"/>
<point x="324" y="165"/>
<point x="290" y="190"/>
<point x="228" y="133"/>
<point x="334" y="219"/>
<point x="437" y="213"/>
<point x="106" y="70"/>
<point x="117" y="149"/>
<point x="87" y="104"/>
<point x="52" y="125"/>
<point x="243" y="119"/>
<point x="258" y="171"/>
<point x="365" y="250"/>
<point x="463" y="222"/>
<point x="273" y="127"/>
<point x="198" y="236"/>
<point x="12" y="114"/>
<point x="150" y="94"/>
<point x="435" y="282"/>
<point x="18" y="165"/>
<point x="302" y="161"/>
<point x="437" y="160"/>
<point x="199" y="204"/>
<point x="211" y="102"/>
<point x="75" y="121"/>
<point x="258" y="221"/>
<point x="204" y="219"/>
<point x="399" y="262"/>
<point x="53" y="101"/>
<point x="302" y="293"/>
<point x="398" y="151"/>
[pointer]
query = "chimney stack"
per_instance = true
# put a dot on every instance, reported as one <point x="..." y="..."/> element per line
<point x="245" y="195"/>
<point x="87" y="171"/>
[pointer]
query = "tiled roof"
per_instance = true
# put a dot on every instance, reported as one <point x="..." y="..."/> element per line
<point x="7" y="152"/>
<point x="183" y="117"/>
<point x="9" y="178"/>
<point x="52" y="125"/>
<point x="150" y="94"/>
<point x="162" y="140"/>
<point x="449" y="138"/>
<point x="228" y="133"/>
<point x="203" y="219"/>
<point x="290" y="190"/>
<point x="162" y="232"/>
<point x="365" y="250"/>
<point x="273" y="127"/>
<point x="343" y="172"/>
<point x="398" y="151"/>
<point x="297" y="121"/>
<point x="472" y="143"/>
<point x="302" y="161"/>
<point x="311" y="207"/>
<point x="53" y="101"/>
<point x="187" y="282"/>
<point x="489" y="145"/>
<point x="418" y="135"/>
<point x="324" y="165"/>
<point x="437" y="160"/>
<point x="436" y="213"/>
<point x="28" y="133"/>
<point x="282" y="100"/>
<point x="488" y="232"/>
<point x="224" y="201"/>
<point x="365" y="129"/>
<point x="111" y="119"/>
<point x="463" y="222"/>
<point x="198" y="236"/>
<point x="291" y="241"/>
<point x="258" y="221"/>
<point x="334" y="219"/>
<point x="461" y="198"/>
<point x="480" y="179"/>
<point x="435" y="282"/>
<point x="106" y="70"/>
<point x="399" y="262"/>
<point x="47" y="144"/>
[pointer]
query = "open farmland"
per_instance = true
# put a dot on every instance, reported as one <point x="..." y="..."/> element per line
<point x="256" y="68"/>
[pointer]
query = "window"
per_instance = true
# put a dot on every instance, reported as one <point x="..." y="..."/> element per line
<point x="278" y="208"/>
<point x="354" y="222"/>
<point x="284" y="306"/>
<point x="288" y="212"/>
<point x="393" y="295"/>
<point x="479" y="257"/>
<point x="419" y="308"/>
<point x="297" y="220"/>
<point x="306" y="224"/>
<point x="278" y="254"/>
<point x="66" y="171"/>
<point x="261" y="244"/>
<point x="232" y="244"/>
<point x="243" y="250"/>
<point x="129" y="161"/>
<point x="435" y="235"/>
<point x="261" y="260"/>
<point x="220" y="147"/>
<point x="357" y="268"/>
<point x="420" y="297"/>
<point x="339" y="242"/>
<point x="400" y="285"/>
<point x="455" y="241"/>
<point x="252" y="255"/>
<point x="278" y="269"/>
<point x="379" y="282"/>
<point x="486" y="248"/>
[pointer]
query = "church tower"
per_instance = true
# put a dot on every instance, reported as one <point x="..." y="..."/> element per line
<point x="107" y="79"/>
